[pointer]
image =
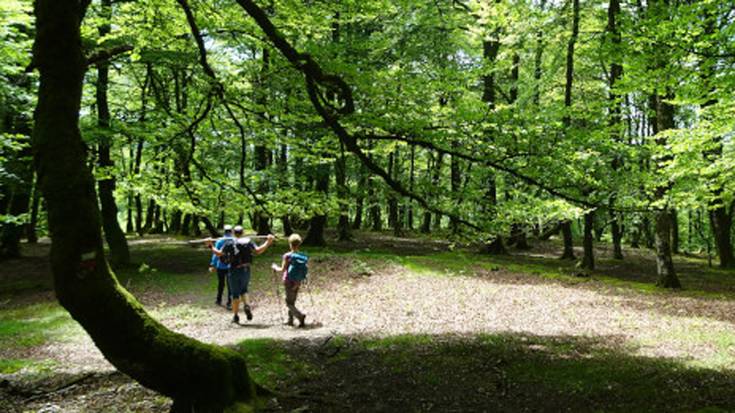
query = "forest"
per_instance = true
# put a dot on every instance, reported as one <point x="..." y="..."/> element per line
<point x="509" y="205"/>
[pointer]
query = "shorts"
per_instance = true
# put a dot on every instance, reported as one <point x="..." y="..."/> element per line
<point x="239" y="280"/>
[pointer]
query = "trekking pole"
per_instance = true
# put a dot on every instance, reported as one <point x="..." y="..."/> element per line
<point x="311" y="298"/>
<point x="278" y="297"/>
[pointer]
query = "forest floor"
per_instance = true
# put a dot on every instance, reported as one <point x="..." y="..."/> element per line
<point x="399" y="324"/>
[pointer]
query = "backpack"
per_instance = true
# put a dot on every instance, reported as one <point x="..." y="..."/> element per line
<point x="229" y="252"/>
<point x="297" y="268"/>
<point x="236" y="253"/>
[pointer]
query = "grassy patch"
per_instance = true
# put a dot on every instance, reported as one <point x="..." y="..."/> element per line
<point x="270" y="364"/>
<point x="35" y="325"/>
<point x="34" y="367"/>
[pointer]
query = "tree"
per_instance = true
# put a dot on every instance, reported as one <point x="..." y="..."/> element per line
<point x="211" y="378"/>
<point x="119" y="253"/>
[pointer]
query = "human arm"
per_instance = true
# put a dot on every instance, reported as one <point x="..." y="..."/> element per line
<point x="261" y="249"/>
<point x="284" y="263"/>
<point x="216" y="252"/>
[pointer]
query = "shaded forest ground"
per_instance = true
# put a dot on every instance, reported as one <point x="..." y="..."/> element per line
<point x="402" y="324"/>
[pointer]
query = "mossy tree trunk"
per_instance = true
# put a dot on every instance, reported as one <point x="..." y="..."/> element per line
<point x="197" y="376"/>
<point x="119" y="253"/>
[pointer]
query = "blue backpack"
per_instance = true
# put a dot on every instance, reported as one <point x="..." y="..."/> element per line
<point x="297" y="268"/>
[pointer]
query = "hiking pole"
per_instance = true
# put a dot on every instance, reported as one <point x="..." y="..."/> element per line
<point x="311" y="298"/>
<point x="278" y="297"/>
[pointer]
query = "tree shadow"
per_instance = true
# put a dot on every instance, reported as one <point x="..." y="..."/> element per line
<point x="501" y="372"/>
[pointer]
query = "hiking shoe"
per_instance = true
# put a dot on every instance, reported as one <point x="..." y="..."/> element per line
<point x="301" y="320"/>
<point x="236" y="319"/>
<point x="290" y="320"/>
<point x="217" y="302"/>
<point x="229" y="306"/>
<point x="248" y="313"/>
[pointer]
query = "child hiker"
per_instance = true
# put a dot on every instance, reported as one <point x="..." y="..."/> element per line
<point x="294" y="270"/>
<point x="239" y="255"/>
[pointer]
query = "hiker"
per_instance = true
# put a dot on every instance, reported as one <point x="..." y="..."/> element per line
<point x="239" y="255"/>
<point x="294" y="269"/>
<point x="222" y="269"/>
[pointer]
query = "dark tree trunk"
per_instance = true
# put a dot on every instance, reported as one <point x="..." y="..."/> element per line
<point x="360" y="202"/>
<point x="261" y="220"/>
<point x="149" y="216"/>
<point x="159" y="216"/>
<point x="283" y="171"/>
<point x="566" y="231"/>
<point x="674" y="232"/>
<point x="175" y="225"/>
<point x="200" y="376"/>
<point x="721" y="222"/>
<point x="119" y="253"/>
<point x="616" y="72"/>
<point x="588" y="259"/>
<point x="435" y="184"/>
<point x="667" y="277"/>
<point x="393" y="220"/>
<point x="410" y="187"/>
<point x="340" y="170"/>
<point x="647" y="233"/>
<point x="490" y="53"/>
<point x="426" y="224"/>
<point x="617" y="235"/>
<point x="455" y="184"/>
<point x="566" y="226"/>
<point x="315" y="235"/>
<point x="184" y="230"/>
<point x="377" y="220"/>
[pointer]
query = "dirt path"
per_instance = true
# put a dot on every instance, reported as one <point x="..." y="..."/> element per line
<point x="530" y="312"/>
<point x="396" y="301"/>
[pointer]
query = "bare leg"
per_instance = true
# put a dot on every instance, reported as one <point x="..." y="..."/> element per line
<point x="235" y="308"/>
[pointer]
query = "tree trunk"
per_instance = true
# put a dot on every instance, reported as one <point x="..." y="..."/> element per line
<point x="674" y="232"/>
<point x="410" y="187"/>
<point x="199" y="376"/>
<point x="393" y="220"/>
<point x="315" y="234"/>
<point x="663" y="235"/>
<point x="489" y="53"/>
<point x="119" y="253"/>
<point x="149" y="216"/>
<point x="588" y="259"/>
<point x="455" y="184"/>
<point x="616" y="72"/>
<point x="360" y="202"/>
<point x="617" y="235"/>
<point x="566" y="226"/>
<point x="566" y="230"/>
<point x="435" y="184"/>
<point x="721" y="223"/>
<point x="343" y="225"/>
<point x="426" y="224"/>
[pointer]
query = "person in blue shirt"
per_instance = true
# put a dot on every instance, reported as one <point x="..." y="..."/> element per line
<point x="240" y="256"/>
<point x="221" y="268"/>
